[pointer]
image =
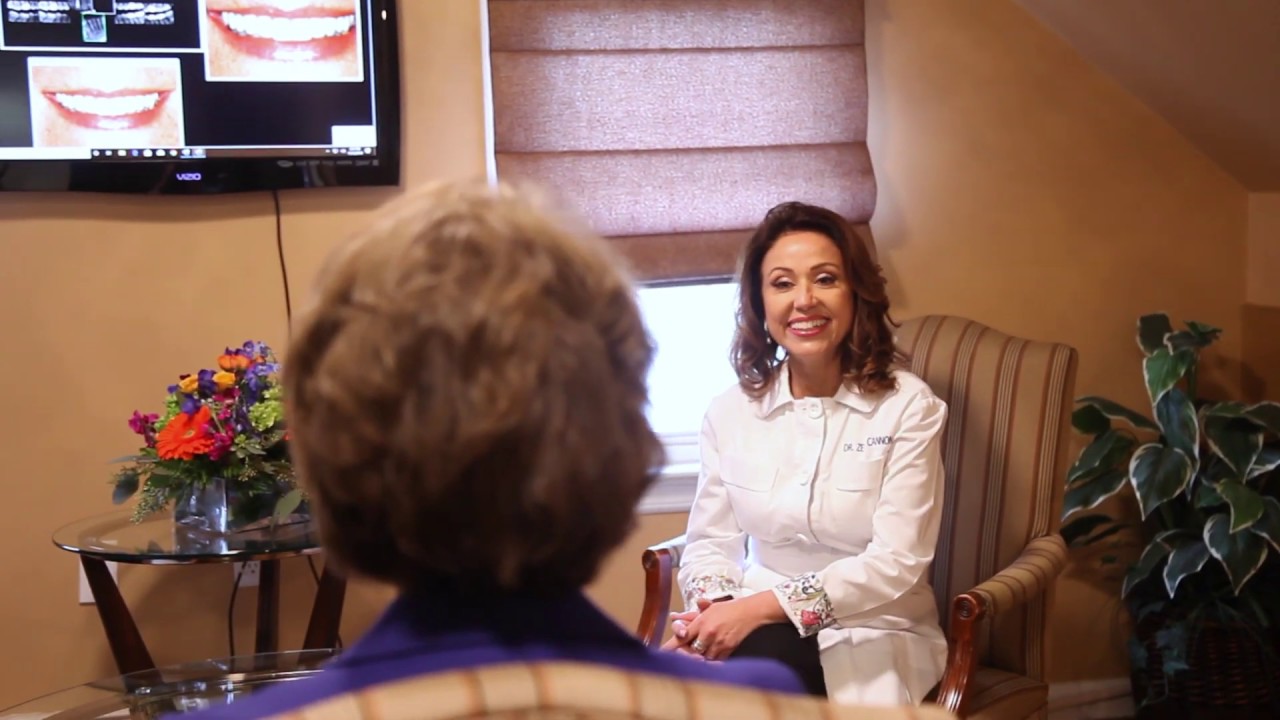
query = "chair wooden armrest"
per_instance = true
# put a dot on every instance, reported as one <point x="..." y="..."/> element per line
<point x="659" y="562"/>
<point x="1025" y="579"/>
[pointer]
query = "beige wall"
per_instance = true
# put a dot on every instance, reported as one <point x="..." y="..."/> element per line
<point x="1018" y="186"/>
<point x="1262" y="311"/>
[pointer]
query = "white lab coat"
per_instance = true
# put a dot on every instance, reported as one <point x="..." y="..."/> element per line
<point x="833" y="504"/>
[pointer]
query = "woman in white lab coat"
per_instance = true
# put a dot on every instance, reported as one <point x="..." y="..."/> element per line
<point x="820" y="495"/>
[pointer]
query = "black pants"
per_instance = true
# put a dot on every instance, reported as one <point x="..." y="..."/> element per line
<point x="781" y="642"/>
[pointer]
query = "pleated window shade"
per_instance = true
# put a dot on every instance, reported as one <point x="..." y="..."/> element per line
<point x="672" y="126"/>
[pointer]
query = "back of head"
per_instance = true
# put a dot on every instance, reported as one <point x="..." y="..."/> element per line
<point x="466" y="395"/>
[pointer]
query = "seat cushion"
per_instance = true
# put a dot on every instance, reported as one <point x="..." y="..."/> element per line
<point x="999" y="695"/>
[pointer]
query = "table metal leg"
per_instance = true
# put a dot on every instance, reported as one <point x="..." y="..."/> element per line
<point x="267" y="639"/>
<point x="122" y="633"/>
<point x="326" y="613"/>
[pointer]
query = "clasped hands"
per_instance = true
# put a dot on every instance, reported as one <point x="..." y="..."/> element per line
<point x="717" y="627"/>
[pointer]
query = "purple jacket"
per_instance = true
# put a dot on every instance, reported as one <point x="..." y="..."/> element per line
<point x="439" y="631"/>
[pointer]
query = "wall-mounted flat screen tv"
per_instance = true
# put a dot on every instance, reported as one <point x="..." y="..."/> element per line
<point x="198" y="96"/>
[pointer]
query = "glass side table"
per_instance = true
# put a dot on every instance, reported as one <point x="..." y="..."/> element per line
<point x="173" y="689"/>
<point x="157" y="540"/>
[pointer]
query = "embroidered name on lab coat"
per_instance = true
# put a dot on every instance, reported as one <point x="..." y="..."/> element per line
<point x="870" y="442"/>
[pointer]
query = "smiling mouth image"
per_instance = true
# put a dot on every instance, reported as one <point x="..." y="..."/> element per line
<point x="116" y="110"/>
<point x="293" y="35"/>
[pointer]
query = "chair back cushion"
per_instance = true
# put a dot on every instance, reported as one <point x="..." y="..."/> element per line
<point x="1006" y="452"/>
<point x="579" y="691"/>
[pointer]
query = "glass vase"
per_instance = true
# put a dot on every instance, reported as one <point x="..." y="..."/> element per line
<point x="218" y="507"/>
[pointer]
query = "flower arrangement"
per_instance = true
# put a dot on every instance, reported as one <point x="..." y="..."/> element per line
<point x="223" y="426"/>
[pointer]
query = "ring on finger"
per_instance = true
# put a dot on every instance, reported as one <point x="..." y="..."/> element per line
<point x="698" y="646"/>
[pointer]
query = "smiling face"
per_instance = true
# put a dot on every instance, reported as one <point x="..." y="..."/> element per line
<point x="106" y="102"/>
<point x="283" y="40"/>
<point x="808" y="302"/>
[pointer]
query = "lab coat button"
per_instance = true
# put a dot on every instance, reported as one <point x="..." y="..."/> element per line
<point x="802" y="537"/>
<point x="815" y="411"/>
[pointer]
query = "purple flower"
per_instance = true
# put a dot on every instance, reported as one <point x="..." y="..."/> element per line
<point x="144" y="425"/>
<point x="207" y="385"/>
<point x="189" y="404"/>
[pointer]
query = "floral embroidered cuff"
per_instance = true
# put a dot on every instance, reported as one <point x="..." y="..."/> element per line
<point x="806" y="603"/>
<point x="712" y="587"/>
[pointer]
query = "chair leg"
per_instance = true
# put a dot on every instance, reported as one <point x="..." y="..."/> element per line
<point x="657" y="596"/>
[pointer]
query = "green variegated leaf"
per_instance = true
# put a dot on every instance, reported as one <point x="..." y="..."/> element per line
<point x="1246" y="504"/>
<point x="1105" y="452"/>
<point x="1090" y="493"/>
<point x="1268" y="527"/>
<point x="1151" y="557"/>
<point x="1089" y="420"/>
<point x="1207" y="496"/>
<point x="1082" y="527"/>
<point x="1268" y="459"/>
<point x="1158" y="474"/>
<point x="1116" y="411"/>
<point x="1241" y="554"/>
<point x="1183" y="340"/>
<point x="1163" y="369"/>
<point x="1152" y="330"/>
<point x="1266" y="414"/>
<point x="1177" y="418"/>
<point x="1235" y="440"/>
<point x="1184" y="562"/>
<point x="1229" y="409"/>
<point x="1206" y="332"/>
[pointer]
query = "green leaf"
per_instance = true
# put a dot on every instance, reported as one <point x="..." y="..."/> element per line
<point x="1183" y="340"/>
<point x="1207" y="333"/>
<point x="1241" y="554"/>
<point x="1268" y="459"/>
<point x="1177" y="417"/>
<point x="1266" y="414"/>
<point x="1184" y="562"/>
<point x="1152" y="330"/>
<point x="1116" y="411"/>
<point x="1090" y="493"/>
<point x="1246" y="504"/>
<point x="1158" y="474"/>
<point x="1089" y="420"/>
<point x="1151" y="557"/>
<point x="126" y="486"/>
<point x="287" y="504"/>
<point x="1207" y="496"/>
<point x="1082" y="527"/>
<point x="1163" y="369"/>
<point x="1235" y="440"/>
<point x="1268" y="528"/>
<point x="1103" y="453"/>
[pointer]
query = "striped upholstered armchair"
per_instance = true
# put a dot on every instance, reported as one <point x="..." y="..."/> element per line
<point x="575" y="691"/>
<point x="1005" y="449"/>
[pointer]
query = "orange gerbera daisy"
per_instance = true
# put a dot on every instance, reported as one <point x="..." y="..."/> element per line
<point x="185" y="436"/>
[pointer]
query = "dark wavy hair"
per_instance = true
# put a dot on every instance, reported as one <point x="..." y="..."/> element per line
<point x="868" y="354"/>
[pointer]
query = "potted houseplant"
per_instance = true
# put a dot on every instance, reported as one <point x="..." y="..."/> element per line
<point x="1202" y="473"/>
<point x="218" y="453"/>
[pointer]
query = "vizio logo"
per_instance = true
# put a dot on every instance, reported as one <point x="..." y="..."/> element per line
<point x="188" y="176"/>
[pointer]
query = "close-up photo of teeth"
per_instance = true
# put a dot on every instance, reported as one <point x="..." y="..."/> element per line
<point x="143" y="13"/>
<point x="284" y="29"/>
<point x="119" y="106"/>
<point x="41" y="12"/>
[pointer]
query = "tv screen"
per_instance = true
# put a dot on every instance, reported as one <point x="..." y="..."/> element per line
<point x="198" y="96"/>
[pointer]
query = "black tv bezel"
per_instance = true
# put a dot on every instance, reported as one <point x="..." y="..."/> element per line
<point x="218" y="175"/>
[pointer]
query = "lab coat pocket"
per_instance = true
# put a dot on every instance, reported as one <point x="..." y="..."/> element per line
<point x="853" y="491"/>
<point x="750" y="488"/>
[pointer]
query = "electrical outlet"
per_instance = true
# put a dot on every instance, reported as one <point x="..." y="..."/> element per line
<point x="86" y="595"/>
<point x="251" y="574"/>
